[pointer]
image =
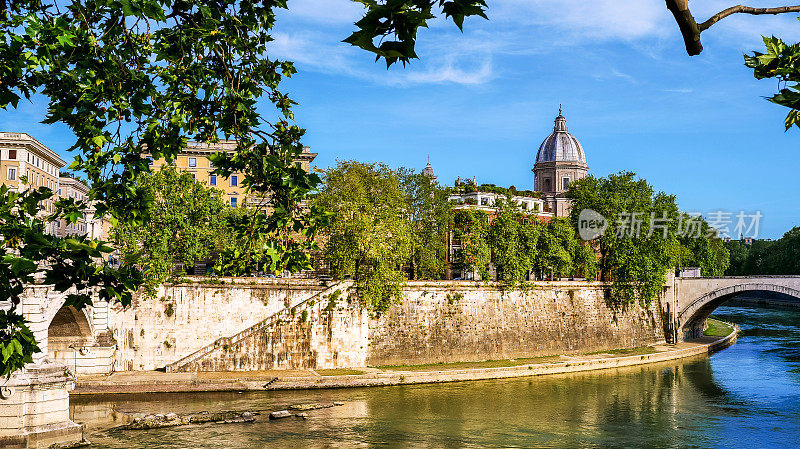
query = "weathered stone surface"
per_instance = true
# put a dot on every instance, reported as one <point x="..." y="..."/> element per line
<point x="487" y="323"/>
<point x="280" y="414"/>
<point x="436" y="322"/>
<point x="35" y="410"/>
<point x="306" y="407"/>
<point x="173" y="419"/>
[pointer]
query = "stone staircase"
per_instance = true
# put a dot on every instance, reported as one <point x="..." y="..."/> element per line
<point x="237" y="353"/>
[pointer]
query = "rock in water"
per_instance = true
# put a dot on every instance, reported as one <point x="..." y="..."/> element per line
<point x="280" y="414"/>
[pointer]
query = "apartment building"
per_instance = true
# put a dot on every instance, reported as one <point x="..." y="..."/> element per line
<point x="22" y="156"/>
<point x="73" y="188"/>
<point x="195" y="160"/>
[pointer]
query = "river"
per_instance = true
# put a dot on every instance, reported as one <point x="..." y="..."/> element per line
<point x="745" y="396"/>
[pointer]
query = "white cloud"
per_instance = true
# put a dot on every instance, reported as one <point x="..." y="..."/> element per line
<point x="445" y="64"/>
<point x="310" y="33"/>
<point x="605" y="19"/>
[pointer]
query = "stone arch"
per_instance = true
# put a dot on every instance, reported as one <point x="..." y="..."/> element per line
<point x="691" y="318"/>
<point x="69" y="331"/>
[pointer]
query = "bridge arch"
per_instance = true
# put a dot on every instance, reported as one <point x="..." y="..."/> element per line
<point x="694" y="315"/>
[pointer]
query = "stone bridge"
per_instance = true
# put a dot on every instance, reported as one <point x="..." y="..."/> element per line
<point x="692" y="299"/>
<point x="78" y="339"/>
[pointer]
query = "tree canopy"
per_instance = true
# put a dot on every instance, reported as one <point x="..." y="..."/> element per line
<point x="187" y="221"/>
<point x="765" y="257"/>
<point x="635" y="252"/>
<point x="370" y="234"/>
<point x="431" y="216"/>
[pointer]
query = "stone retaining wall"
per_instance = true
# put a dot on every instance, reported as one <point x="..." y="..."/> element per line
<point x="465" y="321"/>
<point x="184" y="318"/>
<point x="443" y="321"/>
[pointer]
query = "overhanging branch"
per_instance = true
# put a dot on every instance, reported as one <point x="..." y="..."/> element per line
<point x="690" y="29"/>
<point x="739" y="9"/>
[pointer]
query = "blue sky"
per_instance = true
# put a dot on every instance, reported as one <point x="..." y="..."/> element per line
<point x="481" y="102"/>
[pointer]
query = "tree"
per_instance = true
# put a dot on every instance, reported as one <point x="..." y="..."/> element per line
<point x="704" y="249"/>
<point x="471" y="232"/>
<point x="389" y="29"/>
<point x="738" y="256"/>
<point x="561" y="253"/>
<point x="782" y="62"/>
<point x="691" y="30"/>
<point x="431" y="215"/>
<point x="765" y="257"/>
<point x="513" y="243"/>
<point x="145" y="76"/>
<point x="640" y="245"/>
<point x="369" y="236"/>
<point x="186" y="222"/>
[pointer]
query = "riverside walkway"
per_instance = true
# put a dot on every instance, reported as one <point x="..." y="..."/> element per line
<point x="161" y="382"/>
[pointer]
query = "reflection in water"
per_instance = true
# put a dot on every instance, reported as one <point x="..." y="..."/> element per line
<point x="745" y="396"/>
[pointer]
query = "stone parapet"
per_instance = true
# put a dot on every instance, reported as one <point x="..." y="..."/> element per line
<point x="34" y="408"/>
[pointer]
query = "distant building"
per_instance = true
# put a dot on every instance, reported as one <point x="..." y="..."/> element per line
<point x="195" y="160"/>
<point x="559" y="162"/>
<point x="428" y="171"/>
<point x="485" y="201"/>
<point x="72" y="188"/>
<point x="22" y="156"/>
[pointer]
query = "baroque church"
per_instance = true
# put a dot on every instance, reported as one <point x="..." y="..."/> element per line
<point x="559" y="162"/>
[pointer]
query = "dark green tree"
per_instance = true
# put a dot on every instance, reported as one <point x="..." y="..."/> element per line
<point x="703" y="249"/>
<point x="370" y="232"/>
<point x="186" y="222"/>
<point x="640" y="245"/>
<point x="513" y="243"/>
<point x="561" y="253"/>
<point x="431" y="216"/>
<point x="471" y="233"/>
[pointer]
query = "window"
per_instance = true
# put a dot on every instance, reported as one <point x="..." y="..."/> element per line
<point x="564" y="183"/>
<point x="484" y="201"/>
<point x="234" y="180"/>
<point x="524" y="205"/>
<point x="12" y="174"/>
<point x="192" y="162"/>
<point x="234" y="200"/>
<point x="212" y="180"/>
<point x="12" y="154"/>
<point x="547" y="187"/>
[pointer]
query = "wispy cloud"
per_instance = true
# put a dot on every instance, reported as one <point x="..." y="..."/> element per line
<point x="310" y="33"/>
<point x="316" y="52"/>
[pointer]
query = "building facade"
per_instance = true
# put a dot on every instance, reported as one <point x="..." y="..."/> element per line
<point x="194" y="159"/>
<point x="23" y="157"/>
<point x="485" y="201"/>
<point x="559" y="162"/>
<point x="69" y="187"/>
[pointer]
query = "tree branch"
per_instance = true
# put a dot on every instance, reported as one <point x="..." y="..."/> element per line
<point x="687" y="25"/>
<point x="690" y="30"/>
<point x="739" y="9"/>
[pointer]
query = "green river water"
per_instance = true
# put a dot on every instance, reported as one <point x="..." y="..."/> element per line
<point x="746" y="396"/>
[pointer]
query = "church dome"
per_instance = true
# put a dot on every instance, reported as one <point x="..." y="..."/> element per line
<point x="561" y="145"/>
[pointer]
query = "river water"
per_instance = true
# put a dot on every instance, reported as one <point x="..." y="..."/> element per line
<point x="745" y="396"/>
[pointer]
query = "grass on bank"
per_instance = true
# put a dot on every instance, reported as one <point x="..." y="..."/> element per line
<point x="484" y="364"/>
<point x="643" y="350"/>
<point x="717" y="328"/>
